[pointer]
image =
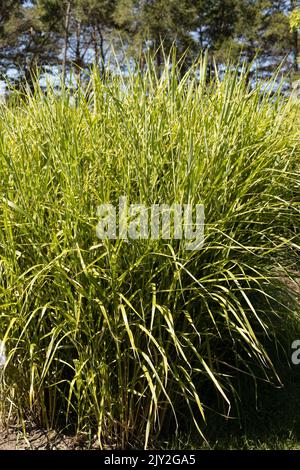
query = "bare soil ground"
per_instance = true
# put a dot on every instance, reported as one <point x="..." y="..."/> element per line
<point x="13" y="438"/>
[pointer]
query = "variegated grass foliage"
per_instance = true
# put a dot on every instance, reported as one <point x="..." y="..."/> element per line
<point x="130" y="338"/>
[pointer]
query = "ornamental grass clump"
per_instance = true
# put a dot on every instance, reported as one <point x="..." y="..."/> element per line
<point x="128" y="339"/>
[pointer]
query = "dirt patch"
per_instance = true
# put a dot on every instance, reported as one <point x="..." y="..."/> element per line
<point x="293" y="283"/>
<point x="13" y="438"/>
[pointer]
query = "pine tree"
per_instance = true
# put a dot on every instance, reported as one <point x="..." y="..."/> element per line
<point x="75" y="33"/>
<point x="25" y="42"/>
<point x="157" y="26"/>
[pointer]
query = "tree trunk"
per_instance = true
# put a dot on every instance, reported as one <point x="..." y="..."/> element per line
<point x="78" y="61"/>
<point x="66" y="41"/>
<point x="102" y="53"/>
<point x="296" y="51"/>
<point x="96" y="48"/>
<point x="295" y="41"/>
